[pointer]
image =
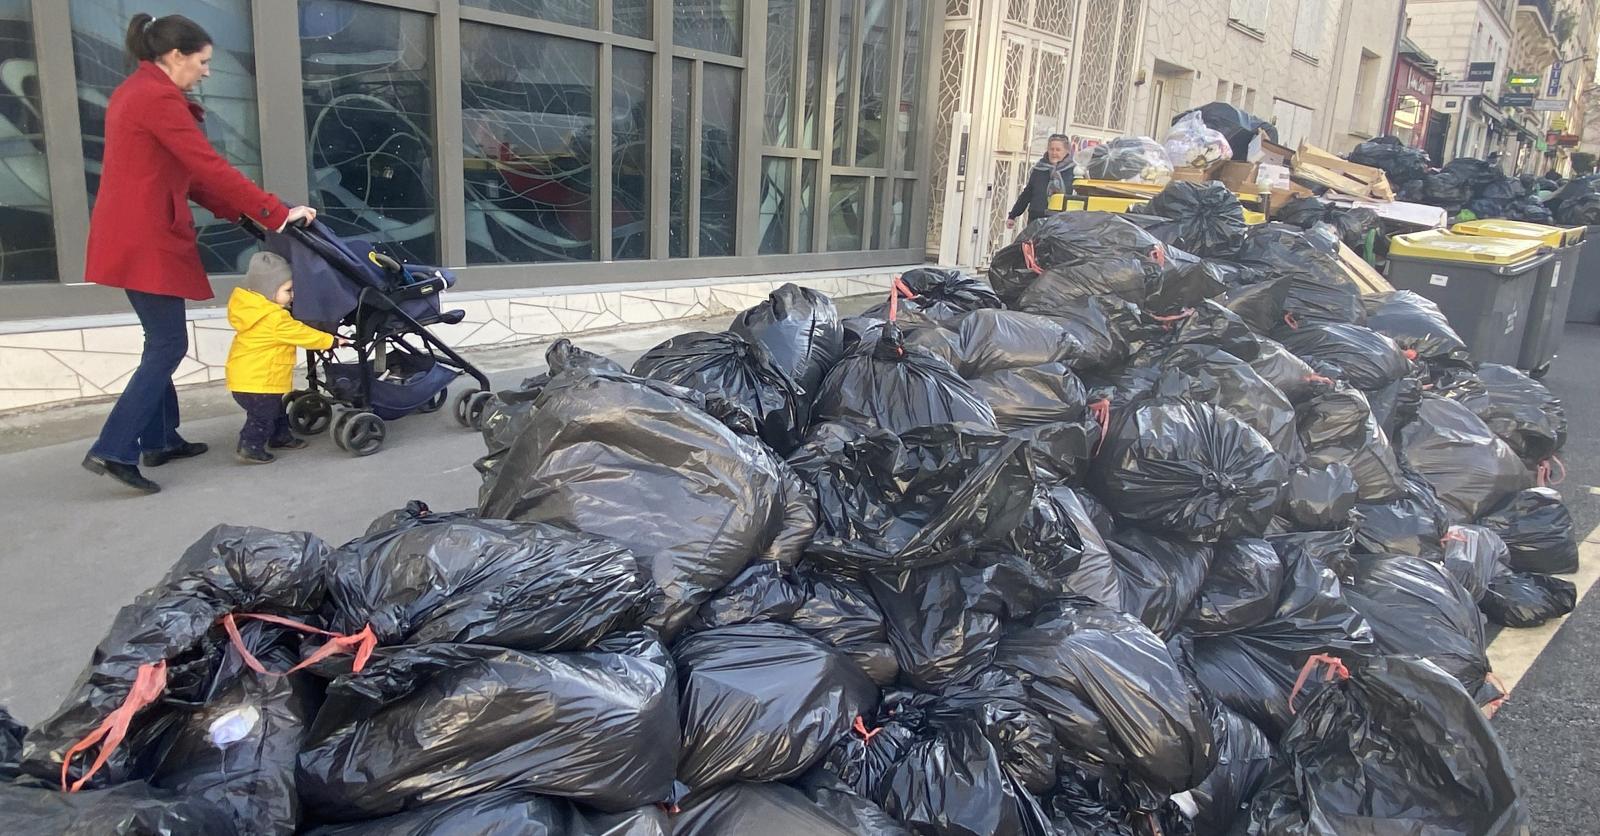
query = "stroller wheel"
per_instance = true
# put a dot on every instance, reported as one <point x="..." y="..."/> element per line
<point x="469" y="407"/>
<point x="436" y="402"/>
<point x="309" y="413"/>
<point x="361" y="434"/>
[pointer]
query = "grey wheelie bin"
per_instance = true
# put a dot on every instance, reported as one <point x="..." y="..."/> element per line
<point x="1553" y="292"/>
<point x="1484" y="286"/>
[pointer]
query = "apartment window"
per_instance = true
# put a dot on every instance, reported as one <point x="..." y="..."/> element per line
<point x="1294" y="122"/>
<point x="1362" y="110"/>
<point x="1250" y="99"/>
<point x="1237" y="99"/>
<point x="1251" y="14"/>
<point x="1309" y="23"/>
<point x="1222" y="91"/>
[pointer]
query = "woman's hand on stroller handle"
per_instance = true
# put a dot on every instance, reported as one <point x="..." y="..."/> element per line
<point x="299" y="216"/>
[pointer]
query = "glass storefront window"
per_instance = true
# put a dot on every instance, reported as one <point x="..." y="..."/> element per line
<point x="841" y="89"/>
<point x="630" y="153"/>
<point x="782" y="18"/>
<point x="905" y="116"/>
<point x="900" y="214"/>
<point x="631" y="17"/>
<point x="875" y="69"/>
<point x="573" y="12"/>
<point x="847" y="213"/>
<point x="813" y="64"/>
<point x="232" y="121"/>
<point x="808" y="205"/>
<point x="719" y="158"/>
<point x="711" y="25"/>
<point x="27" y="233"/>
<point x="774" y="204"/>
<point x="528" y="136"/>
<point x="678" y="196"/>
<point x="367" y="81"/>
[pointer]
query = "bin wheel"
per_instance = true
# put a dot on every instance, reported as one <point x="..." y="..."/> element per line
<point x="436" y="402"/>
<point x="362" y="434"/>
<point x="1540" y="372"/>
<point x="309" y="413"/>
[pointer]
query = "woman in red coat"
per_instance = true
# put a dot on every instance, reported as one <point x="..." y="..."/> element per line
<point x="142" y="237"/>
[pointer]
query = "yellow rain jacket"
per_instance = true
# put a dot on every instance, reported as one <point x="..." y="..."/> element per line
<point x="261" y="359"/>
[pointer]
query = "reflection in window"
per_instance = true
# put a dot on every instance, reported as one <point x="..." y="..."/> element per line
<point x="900" y="215"/>
<point x="712" y="25"/>
<point x="631" y="17"/>
<point x="719" y="158"/>
<point x="678" y="195"/>
<point x="630" y="153"/>
<point x="229" y="97"/>
<point x="808" y="128"/>
<point x="527" y="113"/>
<point x="774" y="204"/>
<point x="808" y="205"/>
<point x="27" y="236"/>
<point x="910" y="83"/>
<point x="841" y="89"/>
<point x="875" y="66"/>
<point x="847" y="212"/>
<point x="574" y="12"/>
<point x="874" y="228"/>
<point x="367" y="85"/>
<point x="780" y="103"/>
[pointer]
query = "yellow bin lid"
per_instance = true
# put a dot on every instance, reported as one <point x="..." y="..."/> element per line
<point x="1550" y="236"/>
<point x="1439" y="245"/>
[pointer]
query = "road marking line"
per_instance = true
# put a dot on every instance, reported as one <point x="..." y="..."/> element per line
<point x="1514" y="651"/>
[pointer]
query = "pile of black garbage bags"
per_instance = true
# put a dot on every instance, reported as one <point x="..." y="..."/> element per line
<point x="1163" y="528"/>
<point x="1465" y="183"/>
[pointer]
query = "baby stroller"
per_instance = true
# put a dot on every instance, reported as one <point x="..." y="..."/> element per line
<point x="384" y="308"/>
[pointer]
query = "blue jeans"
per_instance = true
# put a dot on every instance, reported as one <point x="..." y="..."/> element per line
<point x="145" y="418"/>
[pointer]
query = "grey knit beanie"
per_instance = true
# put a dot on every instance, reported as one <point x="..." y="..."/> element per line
<point x="267" y="273"/>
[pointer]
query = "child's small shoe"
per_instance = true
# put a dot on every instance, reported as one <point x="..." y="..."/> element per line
<point x="249" y="456"/>
<point x="294" y="443"/>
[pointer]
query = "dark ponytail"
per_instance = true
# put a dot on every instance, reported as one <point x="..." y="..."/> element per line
<point x="150" y="37"/>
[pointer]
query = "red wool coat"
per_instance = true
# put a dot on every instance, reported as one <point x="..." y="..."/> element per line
<point x="142" y="235"/>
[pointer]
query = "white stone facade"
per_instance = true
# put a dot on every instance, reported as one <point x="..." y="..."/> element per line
<point x="85" y="358"/>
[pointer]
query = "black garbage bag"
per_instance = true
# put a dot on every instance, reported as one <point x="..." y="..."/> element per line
<point x="11" y="734"/>
<point x="1259" y="304"/>
<point x="524" y="586"/>
<point x="898" y="387"/>
<point x="1337" y="426"/>
<point x="927" y="496"/>
<point x="1321" y="498"/>
<point x="1397" y="404"/>
<point x="1475" y="556"/>
<point x="1443" y="769"/>
<point x="1476" y="172"/>
<point x="1352" y="224"/>
<point x="131" y="809"/>
<point x="1204" y="218"/>
<point x="1189" y="469"/>
<point x="1185" y="280"/>
<point x="1159" y="577"/>
<point x="1413" y="523"/>
<point x="1243" y="393"/>
<point x="1318" y="289"/>
<point x="1097" y="577"/>
<point x="1527" y="599"/>
<point x="508" y="412"/>
<point x="1470" y="468"/>
<point x="1244" y="756"/>
<point x="1367" y="360"/>
<point x="431" y="723"/>
<point x="799" y="330"/>
<point x="1289" y="374"/>
<point x="1239" y="126"/>
<point x="943" y="296"/>
<point x="1071" y="255"/>
<point x="1253" y="670"/>
<point x="739" y="371"/>
<point x="641" y="463"/>
<point x="1417" y="608"/>
<point x="1537" y="527"/>
<point x="1137" y="158"/>
<point x="1033" y="396"/>
<point x="1415" y="324"/>
<point x="1102" y="326"/>
<point x="944" y="621"/>
<point x="1213" y="324"/>
<point x="1074" y="653"/>
<point x="1400" y="162"/>
<point x="1240" y="591"/>
<point x="508" y="814"/>
<point x="1520" y="410"/>
<point x="992" y="340"/>
<point x="1444" y="189"/>
<point x="758" y="808"/>
<point x="1530" y="210"/>
<point x="229" y="569"/>
<point x="835" y="798"/>
<point x="762" y="702"/>
<point x="1580" y="210"/>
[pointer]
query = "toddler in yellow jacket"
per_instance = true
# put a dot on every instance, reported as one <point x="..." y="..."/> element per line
<point x="261" y="361"/>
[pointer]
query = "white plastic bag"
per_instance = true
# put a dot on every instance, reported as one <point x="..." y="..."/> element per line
<point x="1191" y="144"/>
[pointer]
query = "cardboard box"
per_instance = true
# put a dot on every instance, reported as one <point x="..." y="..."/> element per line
<point x="1191" y="174"/>
<point x="1280" y="197"/>
<point x="1240" y="178"/>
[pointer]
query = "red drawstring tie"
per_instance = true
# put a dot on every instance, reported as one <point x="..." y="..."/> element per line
<point x="1029" y="259"/>
<point x="148" y="684"/>
<point x="1547" y="468"/>
<point x="1335" y="667"/>
<point x="1493" y="706"/>
<point x="1289" y="320"/>
<point x="361" y="644"/>
<point x="669" y="808"/>
<point x="1167" y="321"/>
<point x="1454" y="535"/>
<point x="1158" y="254"/>
<point x="905" y="290"/>
<point x="860" y="727"/>
<point x="1411" y="354"/>
<point x="1317" y="378"/>
<point x="1101" y="410"/>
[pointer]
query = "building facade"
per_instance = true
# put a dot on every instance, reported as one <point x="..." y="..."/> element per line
<point x="1411" y="93"/>
<point x="604" y="145"/>
<point x="1459" y="34"/>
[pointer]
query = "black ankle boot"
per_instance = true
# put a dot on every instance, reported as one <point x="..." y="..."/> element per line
<point x="127" y="474"/>
<point x="186" y="450"/>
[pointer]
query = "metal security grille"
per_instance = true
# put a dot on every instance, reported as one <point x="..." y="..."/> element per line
<point x="952" y="58"/>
